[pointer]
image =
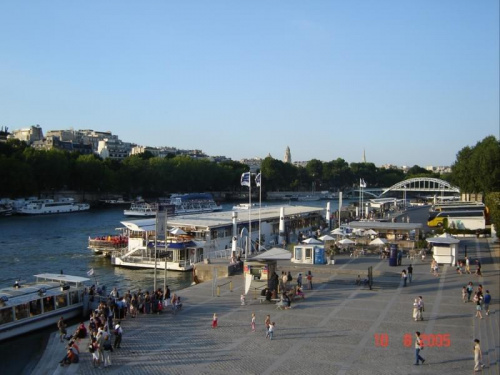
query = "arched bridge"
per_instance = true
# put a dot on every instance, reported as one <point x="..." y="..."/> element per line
<point x="423" y="184"/>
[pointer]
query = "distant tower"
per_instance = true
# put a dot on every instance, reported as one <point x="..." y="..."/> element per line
<point x="364" y="156"/>
<point x="288" y="155"/>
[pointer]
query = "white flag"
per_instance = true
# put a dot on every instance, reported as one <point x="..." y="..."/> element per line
<point x="90" y="272"/>
<point x="362" y="183"/>
<point x="245" y="179"/>
<point x="257" y="180"/>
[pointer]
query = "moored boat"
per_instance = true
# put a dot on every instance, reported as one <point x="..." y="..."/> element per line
<point x="208" y="235"/>
<point x="107" y="244"/>
<point x="28" y="307"/>
<point x="182" y="204"/>
<point x="141" y="209"/>
<point x="49" y="206"/>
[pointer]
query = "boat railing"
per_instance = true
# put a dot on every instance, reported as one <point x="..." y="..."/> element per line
<point x="221" y="254"/>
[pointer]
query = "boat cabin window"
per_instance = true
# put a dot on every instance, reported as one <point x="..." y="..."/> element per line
<point x="73" y="297"/>
<point x="182" y="254"/>
<point x="22" y="311"/>
<point x="35" y="307"/>
<point x="61" y="301"/>
<point x="48" y="304"/>
<point x="6" y="315"/>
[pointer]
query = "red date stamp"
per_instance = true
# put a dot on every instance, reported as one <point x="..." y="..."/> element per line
<point x="428" y="340"/>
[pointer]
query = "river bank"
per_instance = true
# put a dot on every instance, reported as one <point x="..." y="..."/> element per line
<point x="335" y="330"/>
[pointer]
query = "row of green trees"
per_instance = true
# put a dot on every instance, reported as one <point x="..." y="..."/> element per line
<point x="477" y="170"/>
<point x="28" y="171"/>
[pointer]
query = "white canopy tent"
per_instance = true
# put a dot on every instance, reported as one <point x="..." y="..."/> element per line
<point x="378" y="242"/>
<point x="326" y="237"/>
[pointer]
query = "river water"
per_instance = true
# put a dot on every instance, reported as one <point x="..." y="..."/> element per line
<point x="53" y="243"/>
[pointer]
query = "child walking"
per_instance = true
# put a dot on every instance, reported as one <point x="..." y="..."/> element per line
<point x="253" y="322"/>
<point x="214" y="321"/>
<point x="464" y="294"/>
<point x="267" y="322"/>
<point x="271" y="330"/>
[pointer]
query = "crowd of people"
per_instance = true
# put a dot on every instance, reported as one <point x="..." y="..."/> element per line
<point x="104" y="329"/>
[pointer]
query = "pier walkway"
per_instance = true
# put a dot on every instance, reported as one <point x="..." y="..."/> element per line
<point x="340" y="328"/>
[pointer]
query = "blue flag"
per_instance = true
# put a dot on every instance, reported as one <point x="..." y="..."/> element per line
<point x="257" y="180"/>
<point x="245" y="179"/>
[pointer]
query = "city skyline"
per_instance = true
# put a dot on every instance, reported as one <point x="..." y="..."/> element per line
<point x="409" y="83"/>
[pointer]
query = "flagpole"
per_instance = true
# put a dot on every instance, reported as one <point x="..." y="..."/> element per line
<point x="260" y="202"/>
<point x="359" y="198"/>
<point x="156" y="243"/>
<point x="249" y="248"/>
<point x="362" y="200"/>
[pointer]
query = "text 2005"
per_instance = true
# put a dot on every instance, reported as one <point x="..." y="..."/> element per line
<point x="428" y="340"/>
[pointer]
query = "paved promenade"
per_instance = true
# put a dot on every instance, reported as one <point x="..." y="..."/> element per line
<point x="332" y="331"/>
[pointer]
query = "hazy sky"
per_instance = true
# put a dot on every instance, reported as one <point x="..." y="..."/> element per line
<point x="412" y="82"/>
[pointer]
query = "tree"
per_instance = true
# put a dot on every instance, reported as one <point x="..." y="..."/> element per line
<point x="477" y="169"/>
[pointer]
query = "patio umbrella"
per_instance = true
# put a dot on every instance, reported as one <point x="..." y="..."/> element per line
<point x="337" y="231"/>
<point x="311" y="240"/>
<point x="378" y="242"/>
<point x="370" y="232"/>
<point x="177" y="231"/>
<point x="346" y="241"/>
<point x="326" y="237"/>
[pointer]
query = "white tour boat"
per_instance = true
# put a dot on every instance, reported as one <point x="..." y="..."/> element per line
<point x="28" y="307"/>
<point x="49" y="206"/>
<point x="141" y="209"/>
<point x="181" y="204"/>
<point x="209" y="235"/>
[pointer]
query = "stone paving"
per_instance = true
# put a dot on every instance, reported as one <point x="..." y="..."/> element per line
<point x="333" y="331"/>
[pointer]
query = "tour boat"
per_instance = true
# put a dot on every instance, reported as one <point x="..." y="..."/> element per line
<point x="49" y="206"/>
<point x="210" y="235"/>
<point x="28" y="307"/>
<point x="141" y="210"/>
<point x="181" y="204"/>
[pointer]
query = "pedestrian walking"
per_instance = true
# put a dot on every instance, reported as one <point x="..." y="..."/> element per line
<point x="94" y="349"/>
<point x="436" y="269"/>
<point x="271" y="330"/>
<point x="410" y="273"/>
<point x="404" y="276"/>
<point x="415" y="309"/>
<point x="267" y="322"/>
<point x="420" y="308"/>
<point x="478" y="356"/>
<point x="61" y="326"/>
<point x="309" y="280"/>
<point x="299" y="280"/>
<point x="470" y="288"/>
<point x="242" y="300"/>
<point x="486" y="302"/>
<point x="478" y="268"/>
<point x="253" y="322"/>
<point x="214" y="321"/>
<point x="118" y="335"/>
<point x="467" y="265"/>
<point x="478" y="300"/>
<point x="418" y="347"/>
<point x="464" y="294"/>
